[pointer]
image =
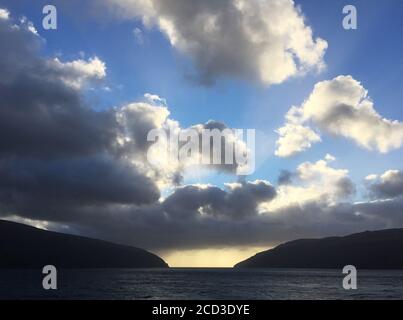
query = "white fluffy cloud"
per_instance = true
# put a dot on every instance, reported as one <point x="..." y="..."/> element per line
<point x="237" y="200"/>
<point x="137" y="119"/>
<point x="294" y="138"/>
<point x="4" y="14"/>
<point x="263" y="40"/>
<point x="160" y="160"/>
<point x="78" y="72"/>
<point x="313" y="182"/>
<point x="343" y="108"/>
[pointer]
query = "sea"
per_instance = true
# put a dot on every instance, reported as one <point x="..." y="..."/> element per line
<point x="201" y="284"/>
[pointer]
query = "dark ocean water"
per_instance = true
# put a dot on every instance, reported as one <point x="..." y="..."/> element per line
<point x="201" y="284"/>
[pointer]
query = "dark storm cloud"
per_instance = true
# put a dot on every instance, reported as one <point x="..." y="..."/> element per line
<point x="73" y="182"/>
<point x="40" y="115"/>
<point x="56" y="153"/>
<point x="41" y="118"/>
<point x="386" y="212"/>
<point x="19" y="53"/>
<point x="389" y="186"/>
<point x="154" y="228"/>
<point x="239" y="201"/>
<point x="207" y="216"/>
<point x="345" y="187"/>
<point x="285" y="177"/>
<point x="213" y="124"/>
<point x="138" y="119"/>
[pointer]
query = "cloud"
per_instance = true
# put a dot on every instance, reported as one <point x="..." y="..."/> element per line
<point x="155" y="99"/>
<point x="387" y="186"/>
<point x="40" y="115"/>
<point x="266" y="41"/>
<point x="241" y="167"/>
<point x="4" y="14"/>
<point x="340" y="107"/>
<point x="285" y="177"/>
<point x="52" y="121"/>
<point x="294" y="138"/>
<point x="138" y="36"/>
<point x="312" y="182"/>
<point x="205" y="216"/>
<point x="200" y="216"/>
<point x="78" y="72"/>
<point x="72" y="191"/>
<point x="58" y="156"/>
<point x="74" y="182"/>
<point x="138" y="119"/>
<point x="238" y="201"/>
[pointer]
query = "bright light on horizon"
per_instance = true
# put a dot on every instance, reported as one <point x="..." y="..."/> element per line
<point x="209" y="258"/>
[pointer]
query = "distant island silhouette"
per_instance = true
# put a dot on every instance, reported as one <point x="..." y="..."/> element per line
<point x="22" y="246"/>
<point x="367" y="250"/>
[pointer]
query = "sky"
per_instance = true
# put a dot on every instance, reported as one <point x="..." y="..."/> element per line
<point x="77" y="103"/>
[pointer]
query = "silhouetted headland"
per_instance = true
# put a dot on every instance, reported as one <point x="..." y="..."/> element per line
<point x="367" y="250"/>
<point x="23" y="246"/>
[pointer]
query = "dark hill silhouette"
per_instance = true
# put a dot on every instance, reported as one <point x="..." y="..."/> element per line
<point x="22" y="246"/>
<point x="367" y="250"/>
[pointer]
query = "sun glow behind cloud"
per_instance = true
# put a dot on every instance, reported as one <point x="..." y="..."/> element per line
<point x="225" y="257"/>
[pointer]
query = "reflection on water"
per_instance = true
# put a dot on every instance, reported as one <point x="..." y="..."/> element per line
<point x="201" y="284"/>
